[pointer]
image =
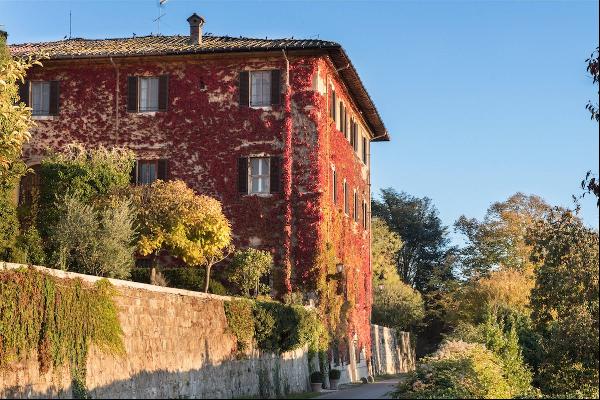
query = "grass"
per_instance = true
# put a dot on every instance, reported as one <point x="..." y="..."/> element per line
<point x="384" y="377"/>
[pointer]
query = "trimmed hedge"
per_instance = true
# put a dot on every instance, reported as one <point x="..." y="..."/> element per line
<point x="181" y="278"/>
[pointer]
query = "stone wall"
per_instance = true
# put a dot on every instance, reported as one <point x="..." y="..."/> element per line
<point x="177" y="345"/>
<point x="392" y="352"/>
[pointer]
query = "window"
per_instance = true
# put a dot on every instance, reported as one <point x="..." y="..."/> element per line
<point x="364" y="149"/>
<point x="260" y="88"/>
<point x="146" y="172"/>
<point x="355" y="207"/>
<point x="259" y="175"/>
<point x="346" y="200"/>
<point x="40" y="98"/>
<point x="148" y="94"/>
<point x="332" y="105"/>
<point x="334" y="183"/>
<point x="342" y="118"/>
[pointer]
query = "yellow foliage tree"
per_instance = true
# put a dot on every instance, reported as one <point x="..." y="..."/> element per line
<point x="189" y="226"/>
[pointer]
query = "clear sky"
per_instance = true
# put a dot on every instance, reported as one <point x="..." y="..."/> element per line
<point x="482" y="98"/>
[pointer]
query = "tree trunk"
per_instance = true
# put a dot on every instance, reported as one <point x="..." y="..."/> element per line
<point x="207" y="280"/>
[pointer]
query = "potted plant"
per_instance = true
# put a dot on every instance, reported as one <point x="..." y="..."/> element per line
<point x="316" y="381"/>
<point x="334" y="378"/>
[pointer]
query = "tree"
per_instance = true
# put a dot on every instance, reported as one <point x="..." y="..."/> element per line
<point x="15" y="117"/>
<point x="191" y="227"/>
<point x="565" y="304"/>
<point x="15" y="122"/>
<point x="425" y="240"/>
<point x="395" y="304"/>
<point x="591" y="184"/>
<point x="499" y="241"/>
<point x="93" y="240"/>
<point x="248" y="267"/>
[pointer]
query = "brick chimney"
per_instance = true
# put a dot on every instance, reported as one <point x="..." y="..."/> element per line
<point x="196" y="23"/>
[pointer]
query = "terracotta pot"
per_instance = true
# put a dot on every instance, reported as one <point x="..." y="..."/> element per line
<point x="333" y="384"/>
<point x="316" y="387"/>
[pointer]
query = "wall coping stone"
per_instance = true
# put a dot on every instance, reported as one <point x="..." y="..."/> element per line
<point x="116" y="282"/>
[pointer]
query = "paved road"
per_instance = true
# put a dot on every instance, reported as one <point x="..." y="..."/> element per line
<point x="377" y="390"/>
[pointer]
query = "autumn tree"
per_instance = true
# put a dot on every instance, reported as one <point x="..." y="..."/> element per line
<point x="189" y="226"/>
<point x="425" y="249"/>
<point x="499" y="240"/>
<point x="15" y="122"/>
<point x="565" y="304"/>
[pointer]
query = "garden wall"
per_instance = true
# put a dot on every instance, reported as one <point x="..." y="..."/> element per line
<point x="177" y="345"/>
<point x="392" y="352"/>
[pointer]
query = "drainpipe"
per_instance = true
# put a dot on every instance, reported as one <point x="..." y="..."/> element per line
<point x="287" y="183"/>
<point x="116" y="101"/>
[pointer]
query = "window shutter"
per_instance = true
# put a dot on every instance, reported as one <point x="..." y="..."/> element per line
<point x="24" y="92"/>
<point x="333" y="105"/>
<point x="275" y="87"/>
<point x="352" y="133"/>
<point x="243" y="175"/>
<point x="54" y="97"/>
<point x="133" y="174"/>
<point x="163" y="92"/>
<point x="275" y="175"/>
<point x="244" y="88"/>
<point x="162" y="172"/>
<point x="132" y="93"/>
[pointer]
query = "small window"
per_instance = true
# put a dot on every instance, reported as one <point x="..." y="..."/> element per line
<point x="332" y="105"/>
<point x="260" y="88"/>
<point x="40" y="98"/>
<point x="346" y="200"/>
<point x="334" y="185"/>
<point x="364" y="149"/>
<point x="259" y="174"/>
<point x="145" y="172"/>
<point x="148" y="94"/>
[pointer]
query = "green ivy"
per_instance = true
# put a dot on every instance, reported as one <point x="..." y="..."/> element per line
<point x="241" y="322"/>
<point x="58" y="318"/>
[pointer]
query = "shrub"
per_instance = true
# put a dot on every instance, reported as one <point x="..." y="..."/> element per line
<point x="85" y="174"/>
<point x="248" y="266"/>
<point x="181" y="278"/>
<point x="335" y="374"/>
<point x="316" y="377"/>
<point x="91" y="241"/>
<point x="457" y="370"/>
<point x="9" y="227"/>
<point x="397" y="305"/>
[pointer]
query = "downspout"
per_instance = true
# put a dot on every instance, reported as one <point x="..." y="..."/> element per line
<point x="116" y="101"/>
<point x="286" y="284"/>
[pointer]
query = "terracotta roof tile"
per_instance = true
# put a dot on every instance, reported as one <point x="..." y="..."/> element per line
<point x="161" y="45"/>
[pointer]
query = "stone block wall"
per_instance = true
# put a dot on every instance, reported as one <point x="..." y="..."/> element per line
<point x="392" y="352"/>
<point x="178" y="345"/>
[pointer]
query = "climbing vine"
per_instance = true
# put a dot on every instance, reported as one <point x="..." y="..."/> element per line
<point x="57" y="318"/>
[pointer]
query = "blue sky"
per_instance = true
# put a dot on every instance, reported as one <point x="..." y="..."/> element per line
<point x="482" y="98"/>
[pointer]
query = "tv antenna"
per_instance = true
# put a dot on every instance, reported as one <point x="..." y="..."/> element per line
<point x="161" y="14"/>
